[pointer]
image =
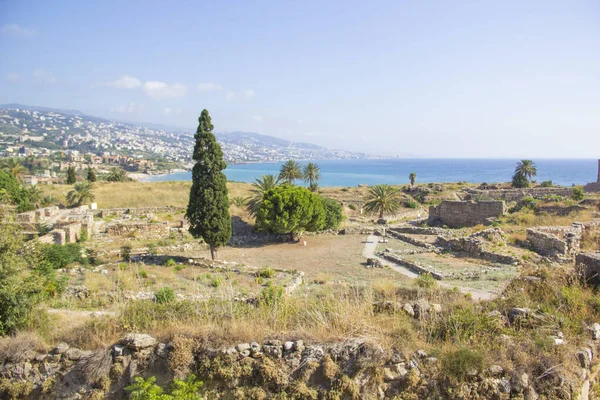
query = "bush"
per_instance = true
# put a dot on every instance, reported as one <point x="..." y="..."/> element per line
<point x="459" y="363"/>
<point x="266" y="272"/>
<point x="147" y="389"/>
<point x="333" y="213"/>
<point x="546" y="184"/>
<point x="126" y="252"/>
<point x="578" y="194"/>
<point x="352" y="207"/>
<point x="61" y="256"/>
<point x="143" y="274"/>
<point x="170" y="262"/>
<point x="426" y="281"/>
<point x="411" y="204"/>
<point x="164" y="295"/>
<point x="271" y="295"/>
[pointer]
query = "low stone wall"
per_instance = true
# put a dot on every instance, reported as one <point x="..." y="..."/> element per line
<point x="592" y="187"/>
<point x="517" y="194"/>
<point x="458" y="214"/>
<point x="411" y="240"/>
<point x="27" y="217"/>
<point x="589" y="265"/>
<point x="476" y="246"/>
<point x="57" y="236"/>
<point x="416" y="268"/>
<point x="555" y="241"/>
<point x="129" y="228"/>
<point x="420" y="230"/>
<point x="116" y="212"/>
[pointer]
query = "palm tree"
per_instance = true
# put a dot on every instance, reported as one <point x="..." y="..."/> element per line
<point x="35" y="194"/>
<point x="116" y="174"/>
<point x="47" y="201"/>
<point x="412" y="178"/>
<point x="524" y="171"/>
<point x="261" y="186"/>
<point x="290" y="171"/>
<point x="81" y="193"/>
<point x="13" y="166"/>
<point x="312" y="173"/>
<point x="382" y="199"/>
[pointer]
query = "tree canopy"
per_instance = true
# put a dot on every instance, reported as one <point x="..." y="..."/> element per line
<point x="311" y="175"/>
<point x="290" y="171"/>
<point x="524" y="172"/>
<point x="71" y="178"/>
<point x="288" y="209"/>
<point x="208" y="207"/>
<point x="259" y="187"/>
<point x="382" y="199"/>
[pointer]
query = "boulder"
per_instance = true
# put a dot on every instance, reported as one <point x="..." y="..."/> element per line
<point x="595" y="331"/>
<point x="421" y="308"/>
<point x="138" y="341"/>
<point x="408" y="309"/>
<point x="60" y="348"/>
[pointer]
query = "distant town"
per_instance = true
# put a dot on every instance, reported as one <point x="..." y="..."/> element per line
<point x="71" y="139"/>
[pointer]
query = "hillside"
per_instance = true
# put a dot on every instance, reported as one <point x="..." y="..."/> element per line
<point x="42" y="130"/>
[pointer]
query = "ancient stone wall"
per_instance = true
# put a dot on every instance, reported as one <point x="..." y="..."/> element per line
<point x="517" y="194"/>
<point x="589" y="265"/>
<point x="458" y="214"/>
<point x="592" y="187"/>
<point x="117" y="212"/>
<point x="27" y="217"/>
<point x="57" y="236"/>
<point x="129" y="228"/>
<point x="555" y="241"/>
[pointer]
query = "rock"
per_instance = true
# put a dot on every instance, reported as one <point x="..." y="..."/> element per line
<point x="530" y="394"/>
<point x="437" y="308"/>
<point x="60" y="348"/>
<point x="53" y="358"/>
<point x="408" y="309"/>
<point x="504" y="386"/>
<point x="117" y="350"/>
<point x="421" y="354"/>
<point x="313" y="353"/>
<point x="517" y="312"/>
<point x="494" y="314"/>
<point x="76" y="354"/>
<point x="138" y="341"/>
<point x="40" y="357"/>
<point x="595" y="331"/>
<point x="243" y="347"/>
<point x="288" y="347"/>
<point x="496" y="370"/>
<point x="272" y="348"/>
<point x="421" y="308"/>
<point x="584" y="356"/>
<point x="374" y="263"/>
<point x="299" y="346"/>
<point x="162" y="350"/>
<point x="520" y="382"/>
<point x="432" y="360"/>
<point x="388" y="375"/>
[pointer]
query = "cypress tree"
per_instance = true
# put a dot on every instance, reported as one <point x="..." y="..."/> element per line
<point x="91" y="175"/>
<point x="71" y="178"/>
<point x="208" y="208"/>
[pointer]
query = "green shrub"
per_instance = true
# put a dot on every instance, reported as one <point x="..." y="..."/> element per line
<point x="578" y="194"/>
<point x="164" y="295"/>
<point x="179" y="267"/>
<point x="238" y="201"/>
<point x="266" y="272"/>
<point x="426" y="281"/>
<point x="352" y="207"/>
<point x="122" y="266"/>
<point x="546" y="184"/>
<point x="61" y="256"/>
<point x="216" y="281"/>
<point x="271" y="295"/>
<point x="333" y="213"/>
<point x="170" y="262"/>
<point x="459" y="363"/>
<point x="411" y="204"/>
<point x="143" y="274"/>
<point x="126" y="252"/>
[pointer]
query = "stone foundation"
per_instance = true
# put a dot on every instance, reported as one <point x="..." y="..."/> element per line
<point x="458" y="214"/>
<point x="589" y="265"/>
<point x="509" y="195"/>
<point x="561" y="242"/>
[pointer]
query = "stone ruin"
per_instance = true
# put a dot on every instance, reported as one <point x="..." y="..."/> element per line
<point x="558" y="242"/>
<point x="589" y="265"/>
<point x="458" y="214"/>
<point x="66" y="224"/>
<point x="510" y="195"/>
<point x="594" y="186"/>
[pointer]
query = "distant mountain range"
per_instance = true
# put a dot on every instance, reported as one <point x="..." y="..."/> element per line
<point x="52" y="129"/>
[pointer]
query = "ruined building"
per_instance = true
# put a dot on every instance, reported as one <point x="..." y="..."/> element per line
<point x="595" y="186"/>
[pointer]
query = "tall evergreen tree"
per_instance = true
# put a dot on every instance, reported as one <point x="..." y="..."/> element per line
<point x="208" y="208"/>
<point x="71" y="178"/>
<point x="91" y="175"/>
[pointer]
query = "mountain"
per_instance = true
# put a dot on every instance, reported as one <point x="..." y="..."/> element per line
<point x="42" y="130"/>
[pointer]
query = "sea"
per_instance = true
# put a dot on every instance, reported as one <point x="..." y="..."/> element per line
<point x="347" y="173"/>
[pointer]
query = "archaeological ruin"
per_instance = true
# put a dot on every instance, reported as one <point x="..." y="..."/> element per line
<point x="594" y="186"/>
<point x="458" y="214"/>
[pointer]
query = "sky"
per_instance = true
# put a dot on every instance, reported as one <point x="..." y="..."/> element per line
<point x="474" y="79"/>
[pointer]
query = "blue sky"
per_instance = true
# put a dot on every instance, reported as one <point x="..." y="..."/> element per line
<point x="422" y="78"/>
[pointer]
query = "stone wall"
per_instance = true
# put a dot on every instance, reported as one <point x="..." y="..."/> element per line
<point x="117" y="212"/>
<point x="458" y="214"/>
<point x="132" y="228"/>
<point x="560" y="242"/>
<point x="517" y="194"/>
<point x="57" y="236"/>
<point x="592" y="187"/>
<point x="476" y="245"/>
<point x="589" y="265"/>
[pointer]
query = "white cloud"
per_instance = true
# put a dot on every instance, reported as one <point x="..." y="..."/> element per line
<point x="258" y="118"/>
<point x="12" y="77"/>
<point x="161" y="90"/>
<point x="209" y="87"/>
<point x="130" y="108"/>
<point x="125" y="82"/>
<point x="41" y="76"/>
<point x="230" y="95"/>
<point x="166" y="111"/>
<point x="18" y="30"/>
<point x="249" y="93"/>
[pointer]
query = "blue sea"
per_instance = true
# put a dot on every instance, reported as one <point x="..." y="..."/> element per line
<point x="347" y="173"/>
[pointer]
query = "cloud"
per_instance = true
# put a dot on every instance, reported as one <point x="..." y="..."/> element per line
<point x="125" y="82"/>
<point x="209" y="87"/>
<point x="130" y="108"/>
<point x="43" y="77"/>
<point x="161" y="90"/>
<point x="249" y="93"/>
<point x="12" y="77"/>
<point x="258" y="118"/>
<point x="230" y="95"/>
<point x="18" y="30"/>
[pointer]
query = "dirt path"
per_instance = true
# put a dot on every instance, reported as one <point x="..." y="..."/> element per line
<point x="369" y="252"/>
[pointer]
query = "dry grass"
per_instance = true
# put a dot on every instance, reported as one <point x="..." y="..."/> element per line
<point x="142" y="194"/>
<point x="96" y="366"/>
<point x="20" y="347"/>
